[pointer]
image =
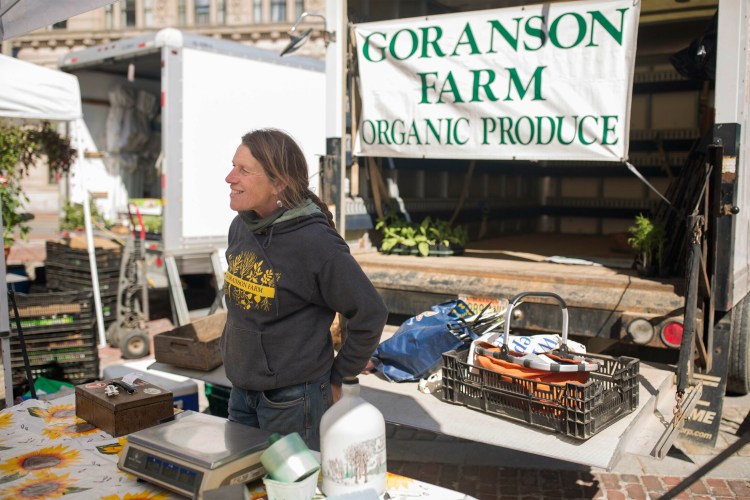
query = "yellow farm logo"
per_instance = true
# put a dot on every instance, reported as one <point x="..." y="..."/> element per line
<point x="249" y="282"/>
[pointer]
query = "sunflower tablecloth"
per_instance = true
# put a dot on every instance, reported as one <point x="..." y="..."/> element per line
<point x="48" y="452"/>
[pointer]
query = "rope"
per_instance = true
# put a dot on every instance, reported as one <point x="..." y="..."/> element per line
<point x="464" y="191"/>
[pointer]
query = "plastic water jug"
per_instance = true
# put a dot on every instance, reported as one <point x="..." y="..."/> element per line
<point x="352" y="445"/>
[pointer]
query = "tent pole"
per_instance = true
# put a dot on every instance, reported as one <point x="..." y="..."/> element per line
<point x="94" y="270"/>
<point x="5" y="330"/>
<point x="91" y="249"/>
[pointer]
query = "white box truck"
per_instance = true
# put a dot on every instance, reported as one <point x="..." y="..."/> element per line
<point x="684" y="130"/>
<point x="163" y="115"/>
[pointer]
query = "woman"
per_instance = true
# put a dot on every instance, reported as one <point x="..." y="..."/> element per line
<point x="289" y="273"/>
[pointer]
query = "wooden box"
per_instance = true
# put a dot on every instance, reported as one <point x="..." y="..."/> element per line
<point x="123" y="413"/>
<point x="195" y="345"/>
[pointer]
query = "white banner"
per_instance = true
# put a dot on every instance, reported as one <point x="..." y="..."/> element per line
<point x="539" y="82"/>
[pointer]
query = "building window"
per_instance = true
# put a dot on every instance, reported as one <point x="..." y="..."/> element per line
<point x="181" y="12"/>
<point x="221" y="12"/>
<point x="299" y="8"/>
<point x="257" y="11"/>
<point x="278" y="11"/>
<point x="202" y="12"/>
<point x="108" y="17"/>
<point x="148" y="13"/>
<point x="128" y="13"/>
<point x="61" y="25"/>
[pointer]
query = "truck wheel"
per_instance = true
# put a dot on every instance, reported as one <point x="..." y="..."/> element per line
<point x="738" y="378"/>
<point x="135" y="344"/>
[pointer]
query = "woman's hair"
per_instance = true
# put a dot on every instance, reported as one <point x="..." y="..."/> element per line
<point x="282" y="160"/>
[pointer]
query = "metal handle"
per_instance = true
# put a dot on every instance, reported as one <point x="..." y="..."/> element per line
<point x="127" y="387"/>
<point x="517" y="300"/>
<point x="180" y="346"/>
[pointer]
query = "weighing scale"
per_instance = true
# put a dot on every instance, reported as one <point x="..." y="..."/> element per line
<point x="194" y="453"/>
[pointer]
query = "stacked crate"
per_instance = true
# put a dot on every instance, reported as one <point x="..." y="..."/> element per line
<point x="68" y="269"/>
<point x="60" y="336"/>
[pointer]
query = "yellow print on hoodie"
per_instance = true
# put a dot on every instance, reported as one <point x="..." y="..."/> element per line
<point x="250" y="283"/>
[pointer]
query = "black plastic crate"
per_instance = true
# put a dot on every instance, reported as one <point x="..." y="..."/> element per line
<point x="107" y="259"/>
<point x="69" y="281"/>
<point x="218" y="399"/>
<point x="575" y="410"/>
<point x="53" y="311"/>
<point x="74" y="373"/>
<point x="61" y="356"/>
<point x="60" y="270"/>
<point x="52" y="339"/>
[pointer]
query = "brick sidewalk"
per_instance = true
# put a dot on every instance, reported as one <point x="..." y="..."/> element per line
<point x="488" y="482"/>
<point x="453" y="463"/>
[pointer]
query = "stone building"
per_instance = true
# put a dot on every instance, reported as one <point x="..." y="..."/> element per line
<point x="262" y="23"/>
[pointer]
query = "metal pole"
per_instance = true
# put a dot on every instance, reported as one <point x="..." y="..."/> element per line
<point x="5" y="329"/>
<point x="22" y="342"/>
<point x="94" y="269"/>
<point x="691" y="303"/>
<point x="336" y="15"/>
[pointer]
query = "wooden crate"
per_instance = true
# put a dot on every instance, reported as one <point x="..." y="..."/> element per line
<point x="124" y="413"/>
<point x="195" y="345"/>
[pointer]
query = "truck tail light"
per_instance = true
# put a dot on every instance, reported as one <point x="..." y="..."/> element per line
<point x="671" y="334"/>
<point x="641" y="331"/>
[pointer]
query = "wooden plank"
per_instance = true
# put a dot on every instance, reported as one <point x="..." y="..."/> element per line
<point x="512" y="264"/>
<point x="580" y="286"/>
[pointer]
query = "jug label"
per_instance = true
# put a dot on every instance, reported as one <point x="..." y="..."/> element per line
<point x="356" y="463"/>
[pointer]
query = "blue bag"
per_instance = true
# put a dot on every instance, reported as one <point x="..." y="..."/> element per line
<point x="416" y="348"/>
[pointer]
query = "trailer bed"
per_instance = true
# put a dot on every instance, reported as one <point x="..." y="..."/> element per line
<point x="504" y="267"/>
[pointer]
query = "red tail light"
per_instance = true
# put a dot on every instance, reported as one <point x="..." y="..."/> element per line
<point x="671" y="334"/>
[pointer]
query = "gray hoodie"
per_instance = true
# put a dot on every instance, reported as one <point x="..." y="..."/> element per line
<point x="285" y="282"/>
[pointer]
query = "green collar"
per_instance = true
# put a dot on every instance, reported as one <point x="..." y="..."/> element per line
<point x="257" y="225"/>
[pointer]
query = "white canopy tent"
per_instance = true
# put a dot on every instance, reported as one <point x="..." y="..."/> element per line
<point x="21" y="16"/>
<point x="32" y="92"/>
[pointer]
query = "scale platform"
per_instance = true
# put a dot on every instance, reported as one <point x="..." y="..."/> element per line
<point x="195" y="453"/>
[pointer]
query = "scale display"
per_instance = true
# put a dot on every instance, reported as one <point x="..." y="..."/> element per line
<point x="194" y="453"/>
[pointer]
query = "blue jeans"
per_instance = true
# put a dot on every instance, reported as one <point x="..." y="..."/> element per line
<point x="296" y="408"/>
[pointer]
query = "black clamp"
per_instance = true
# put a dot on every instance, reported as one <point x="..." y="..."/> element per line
<point x="124" y="385"/>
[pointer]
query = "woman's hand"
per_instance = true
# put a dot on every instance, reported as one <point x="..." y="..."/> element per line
<point x="335" y="392"/>
<point x="369" y="367"/>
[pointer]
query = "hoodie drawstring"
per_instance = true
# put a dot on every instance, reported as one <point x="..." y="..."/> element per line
<point x="267" y="241"/>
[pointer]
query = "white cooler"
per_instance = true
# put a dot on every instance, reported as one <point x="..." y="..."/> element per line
<point x="184" y="390"/>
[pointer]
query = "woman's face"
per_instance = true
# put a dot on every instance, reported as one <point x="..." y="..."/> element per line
<point x="251" y="188"/>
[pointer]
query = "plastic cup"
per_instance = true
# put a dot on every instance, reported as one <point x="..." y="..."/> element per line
<point x="288" y="459"/>
<point x="299" y="490"/>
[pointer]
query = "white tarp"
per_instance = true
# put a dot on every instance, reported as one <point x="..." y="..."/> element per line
<point x="534" y="82"/>
<point x="33" y="92"/>
<point x="18" y="17"/>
